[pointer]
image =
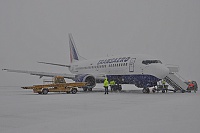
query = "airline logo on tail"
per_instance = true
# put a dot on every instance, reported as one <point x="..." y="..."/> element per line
<point x="73" y="53"/>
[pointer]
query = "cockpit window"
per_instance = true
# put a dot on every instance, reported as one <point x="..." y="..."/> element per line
<point x="147" y="62"/>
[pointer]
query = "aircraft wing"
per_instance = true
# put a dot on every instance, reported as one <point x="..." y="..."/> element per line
<point x="41" y="74"/>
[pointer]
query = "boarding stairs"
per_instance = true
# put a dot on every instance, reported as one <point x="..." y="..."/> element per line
<point x="174" y="80"/>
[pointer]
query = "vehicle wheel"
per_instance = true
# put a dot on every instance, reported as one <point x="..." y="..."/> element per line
<point x="74" y="90"/>
<point x="85" y="89"/>
<point x="120" y="88"/>
<point x="183" y="91"/>
<point x="163" y="91"/>
<point x="148" y="91"/>
<point x="39" y="92"/>
<point x="45" y="91"/>
<point x="154" y="90"/>
<point x="114" y="88"/>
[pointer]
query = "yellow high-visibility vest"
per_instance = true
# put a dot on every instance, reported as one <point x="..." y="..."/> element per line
<point x="105" y="83"/>
<point x="112" y="82"/>
<point x="163" y="82"/>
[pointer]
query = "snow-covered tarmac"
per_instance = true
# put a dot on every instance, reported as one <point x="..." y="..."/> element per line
<point x="22" y="111"/>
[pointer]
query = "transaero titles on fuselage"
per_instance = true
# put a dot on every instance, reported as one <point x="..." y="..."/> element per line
<point x="113" y="60"/>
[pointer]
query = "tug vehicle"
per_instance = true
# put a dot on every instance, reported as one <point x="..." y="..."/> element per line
<point x="194" y="86"/>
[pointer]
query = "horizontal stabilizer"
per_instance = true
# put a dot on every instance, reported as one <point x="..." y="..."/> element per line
<point x="54" y="64"/>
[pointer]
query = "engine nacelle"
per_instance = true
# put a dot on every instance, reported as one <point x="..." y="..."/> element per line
<point x="91" y="81"/>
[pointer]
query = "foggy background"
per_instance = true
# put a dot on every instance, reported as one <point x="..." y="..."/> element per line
<point x="37" y="30"/>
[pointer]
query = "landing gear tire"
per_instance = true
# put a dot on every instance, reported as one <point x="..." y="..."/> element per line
<point x="45" y="91"/>
<point x="146" y="90"/>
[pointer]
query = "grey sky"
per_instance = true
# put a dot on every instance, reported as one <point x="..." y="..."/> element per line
<point x="36" y="30"/>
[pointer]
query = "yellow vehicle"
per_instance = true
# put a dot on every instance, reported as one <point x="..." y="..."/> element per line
<point x="58" y="85"/>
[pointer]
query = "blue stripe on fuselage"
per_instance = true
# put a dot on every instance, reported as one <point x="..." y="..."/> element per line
<point x="140" y="81"/>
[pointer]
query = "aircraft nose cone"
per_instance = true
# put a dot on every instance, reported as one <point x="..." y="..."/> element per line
<point x="158" y="70"/>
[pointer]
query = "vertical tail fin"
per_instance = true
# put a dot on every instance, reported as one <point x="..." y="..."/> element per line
<point x="74" y="55"/>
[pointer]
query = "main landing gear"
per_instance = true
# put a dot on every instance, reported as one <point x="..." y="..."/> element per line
<point x="146" y="90"/>
<point x="87" y="89"/>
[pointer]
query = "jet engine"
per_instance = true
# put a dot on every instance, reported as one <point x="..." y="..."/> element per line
<point x="91" y="81"/>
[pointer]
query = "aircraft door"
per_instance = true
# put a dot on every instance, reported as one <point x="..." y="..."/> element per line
<point x="131" y="65"/>
<point x="97" y="68"/>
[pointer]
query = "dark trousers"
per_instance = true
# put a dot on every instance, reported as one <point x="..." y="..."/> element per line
<point x="106" y="89"/>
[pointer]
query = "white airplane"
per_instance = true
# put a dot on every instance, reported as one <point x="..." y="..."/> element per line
<point x="141" y="70"/>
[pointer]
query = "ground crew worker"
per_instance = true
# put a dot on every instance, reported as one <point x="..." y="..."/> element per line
<point x="191" y="85"/>
<point x="105" y="84"/>
<point x="163" y="84"/>
<point x="112" y="83"/>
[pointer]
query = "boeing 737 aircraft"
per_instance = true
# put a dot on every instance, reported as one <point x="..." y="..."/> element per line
<point x="140" y="70"/>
